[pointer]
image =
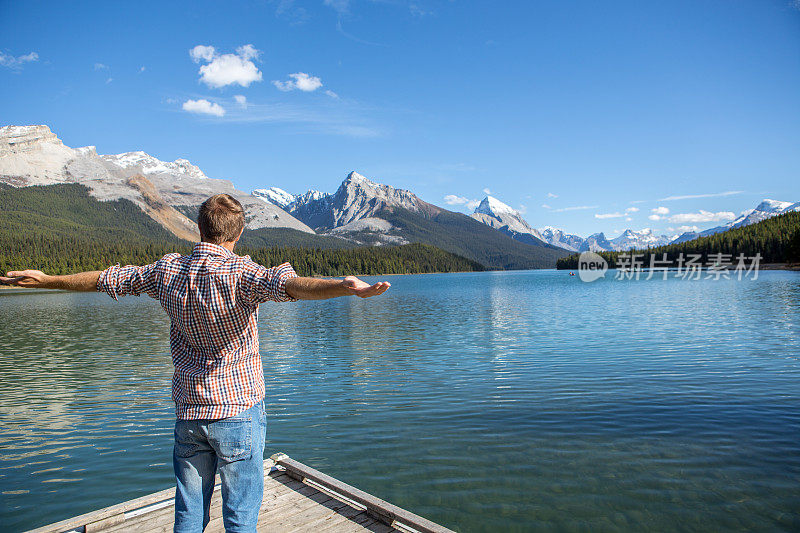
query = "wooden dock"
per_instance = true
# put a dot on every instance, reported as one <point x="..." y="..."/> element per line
<point x="297" y="499"/>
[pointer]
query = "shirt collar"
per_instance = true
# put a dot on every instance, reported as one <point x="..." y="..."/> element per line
<point x="211" y="249"/>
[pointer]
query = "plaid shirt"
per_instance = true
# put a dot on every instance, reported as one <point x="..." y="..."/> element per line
<point x="212" y="299"/>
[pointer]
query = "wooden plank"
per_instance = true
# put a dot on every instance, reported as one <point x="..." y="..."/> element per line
<point x="106" y="513"/>
<point x="359" y="518"/>
<point x="367" y="524"/>
<point x="387" y="511"/>
<point x="336" y="516"/>
<point x="285" y="503"/>
<point x="305" y="513"/>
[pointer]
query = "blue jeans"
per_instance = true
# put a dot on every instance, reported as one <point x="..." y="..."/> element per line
<point x="235" y="447"/>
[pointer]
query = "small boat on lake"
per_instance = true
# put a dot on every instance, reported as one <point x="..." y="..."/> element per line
<point x="297" y="498"/>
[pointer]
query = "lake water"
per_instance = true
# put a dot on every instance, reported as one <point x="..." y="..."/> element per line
<point x="511" y="401"/>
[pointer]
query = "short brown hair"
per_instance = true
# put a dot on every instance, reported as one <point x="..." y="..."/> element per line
<point x="221" y="219"/>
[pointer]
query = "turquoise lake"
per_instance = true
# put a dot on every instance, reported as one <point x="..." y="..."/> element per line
<point x="496" y="401"/>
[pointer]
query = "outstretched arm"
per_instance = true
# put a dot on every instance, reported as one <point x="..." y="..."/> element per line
<point x="322" y="289"/>
<point x="82" y="281"/>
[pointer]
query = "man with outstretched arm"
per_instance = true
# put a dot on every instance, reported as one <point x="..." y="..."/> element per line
<point x="212" y="298"/>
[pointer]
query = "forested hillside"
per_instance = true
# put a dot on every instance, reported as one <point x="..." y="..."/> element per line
<point x="469" y="238"/>
<point x="777" y="239"/>
<point x="62" y="229"/>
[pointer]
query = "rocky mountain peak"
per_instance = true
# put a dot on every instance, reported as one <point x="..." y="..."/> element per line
<point x="19" y="139"/>
<point x="147" y="164"/>
<point x="274" y="195"/>
<point x="492" y="206"/>
<point x="503" y="217"/>
<point x="772" y="206"/>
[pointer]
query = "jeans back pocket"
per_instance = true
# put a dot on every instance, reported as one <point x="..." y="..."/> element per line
<point x="232" y="438"/>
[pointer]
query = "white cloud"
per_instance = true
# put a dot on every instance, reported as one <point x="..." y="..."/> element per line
<point x="203" y="107"/>
<point x="241" y="100"/>
<point x="452" y="199"/>
<point x="546" y="206"/>
<point x="628" y="219"/>
<point x="632" y="210"/>
<point x="10" y="61"/>
<point x="693" y="196"/>
<point x="608" y="215"/>
<point x="201" y="53"/>
<point x="701" y="216"/>
<point x="109" y="80"/>
<point x="486" y="190"/>
<point x="551" y="195"/>
<point x="300" y="81"/>
<point x="575" y="208"/>
<point x="522" y="209"/>
<point x="221" y="70"/>
<point x="100" y="66"/>
<point x="331" y="94"/>
<point x="658" y="213"/>
<point x="248" y="51"/>
<point x="684" y="229"/>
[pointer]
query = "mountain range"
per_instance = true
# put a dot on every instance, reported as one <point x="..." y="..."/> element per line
<point x="359" y="212"/>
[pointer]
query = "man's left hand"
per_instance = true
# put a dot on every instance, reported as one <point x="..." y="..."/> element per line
<point x="362" y="289"/>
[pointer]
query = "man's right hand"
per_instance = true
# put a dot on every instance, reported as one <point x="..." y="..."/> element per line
<point x="35" y="279"/>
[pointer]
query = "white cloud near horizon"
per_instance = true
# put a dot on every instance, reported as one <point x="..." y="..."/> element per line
<point x="632" y="210"/>
<point x="551" y="195"/>
<point x="695" y="196"/>
<point x="684" y="229"/>
<point x="701" y="216"/>
<point x="221" y="70"/>
<point x="487" y="190"/>
<point x="241" y="100"/>
<point x="300" y="81"/>
<point x="602" y="216"/>
<point x="203" y="107"/>
<point x="7" y="60"/>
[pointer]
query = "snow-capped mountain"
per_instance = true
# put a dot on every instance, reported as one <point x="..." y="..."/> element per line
<point x="147" y="164"/>
<point x="596" y="242"/>
<point x="309" y="196"/>
<point x="558" y="237"/>
<point x="639" y="240"/>
<point x="356" y="198"/>
<point x="506" y="219"/>
<point x="766" y="209"/>
<point x="33" y="155"/>
<point x="274" y="195"/>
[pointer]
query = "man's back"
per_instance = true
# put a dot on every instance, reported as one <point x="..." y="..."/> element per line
<point x="211" y="297"/>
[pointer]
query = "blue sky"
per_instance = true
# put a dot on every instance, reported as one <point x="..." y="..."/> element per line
<point x="585" y="115"/>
